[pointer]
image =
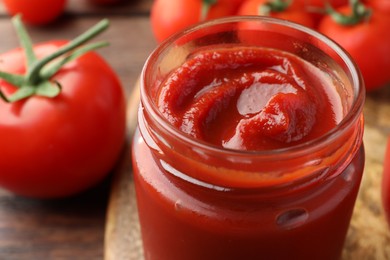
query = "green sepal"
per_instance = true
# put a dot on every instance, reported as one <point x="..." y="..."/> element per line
<point x="3" y="97"/>
<point x="21" y="93"/>
<point x="48" y="89"/>
<point x="206" y="4"/>
<point x="14" y="79"/>
<point x="274" y="6"/>
<point x="359" y="13"/>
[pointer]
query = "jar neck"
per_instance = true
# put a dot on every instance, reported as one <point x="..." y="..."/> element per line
<point x="222" y="169"/>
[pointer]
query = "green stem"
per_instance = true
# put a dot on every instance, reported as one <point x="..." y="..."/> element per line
<point x="206" y="5"/>
<point x="359" y="13"/>
<point x="24" y="40"/>
<point x="37" y="79"/>
<point x="51" y="69"/>
<point x="274" y="6"/>
<point x="33" y="74"/>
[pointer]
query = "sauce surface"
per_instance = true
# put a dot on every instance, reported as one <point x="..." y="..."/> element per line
<point x="249" y="98"/>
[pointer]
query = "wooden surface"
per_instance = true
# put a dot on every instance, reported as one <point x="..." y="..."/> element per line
<point x="102" y="223"/>
<point x="368" y="236"/>
<point x="73" y="228"/>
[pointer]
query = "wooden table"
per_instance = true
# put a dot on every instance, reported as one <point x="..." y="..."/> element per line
<point x="74" y="228"/>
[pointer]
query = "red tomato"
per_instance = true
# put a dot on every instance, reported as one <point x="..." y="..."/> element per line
<point x="55" y="147"/>
<point x="380" y="5"/>
<point x="320" y="3"/>
<point x="386" y="182"/>
<point x="108" y="2"/>
<point x="291" y="13"/>
<point x="171" y="16"/>
<point x="368" y="43"/>
<point x="36" y="12"/>
<point x="235" y="3"/>
<point x="316" y="7"/>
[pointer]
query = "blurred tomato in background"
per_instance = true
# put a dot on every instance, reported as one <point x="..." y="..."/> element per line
<point x="36" y="12"/>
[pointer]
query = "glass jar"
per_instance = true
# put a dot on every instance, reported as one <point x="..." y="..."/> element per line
<point x="200" y="201"/>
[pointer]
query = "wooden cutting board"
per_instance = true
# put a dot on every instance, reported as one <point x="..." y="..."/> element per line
<point x="368" y="236"/>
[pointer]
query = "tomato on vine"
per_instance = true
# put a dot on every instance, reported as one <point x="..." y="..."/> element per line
<point x="36" y="12"/>
<point x="171" y="16"/>
<point x="319" y="3"/>
<point x="277" y="8"/>
<point x="364" y="34"/>
<point x="62" y="116"/>
<point x="382" y="6"/>
<point x="315" y="8"/>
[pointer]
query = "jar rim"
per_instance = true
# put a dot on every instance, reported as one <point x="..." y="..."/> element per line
<point x="349" y="119"/>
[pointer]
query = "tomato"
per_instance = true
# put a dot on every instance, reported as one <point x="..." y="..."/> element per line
<point x="291" y="13"/>
<point x="368" y="43"/>
<point x="253" y="33"/>
<point x="36" y="12"/>
<point x="171" y="16"/>
<point x="56" y="147"/>
<point x="320" y="3"/>
<point x="386" y="182"/>
<point x="108" y="2"/>
<point x="380" y="5"/>
<point x="234" y="3"/>
<point x="316" y="7"/>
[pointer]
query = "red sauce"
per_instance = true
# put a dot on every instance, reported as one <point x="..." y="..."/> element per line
<point x="249" y="99"/>
<point x="245" y="98"/>
<point x="183" y="221"/>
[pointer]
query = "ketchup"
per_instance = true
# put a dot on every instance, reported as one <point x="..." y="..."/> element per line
<point x="246" y="151"/>
<point x="249" y="98"/>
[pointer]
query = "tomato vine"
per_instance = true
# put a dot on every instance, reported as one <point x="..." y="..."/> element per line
<point x="37" y="81"/>
<point x="359" y="13"/>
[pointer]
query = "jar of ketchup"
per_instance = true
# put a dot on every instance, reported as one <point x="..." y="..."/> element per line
<point x="249" y="143"/>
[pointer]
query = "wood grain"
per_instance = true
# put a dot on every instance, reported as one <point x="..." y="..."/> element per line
<point x="368" y="236"/>
<point x="69" y="228"/>
<point x="122" y="239"/>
